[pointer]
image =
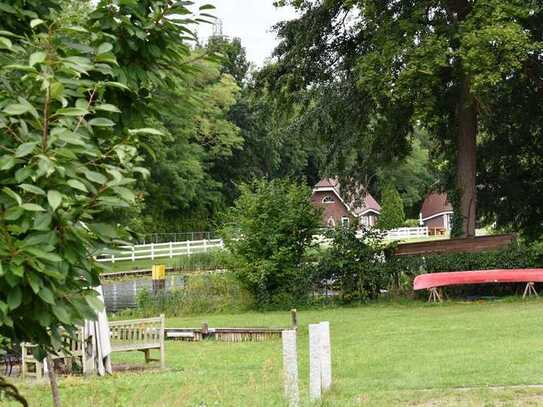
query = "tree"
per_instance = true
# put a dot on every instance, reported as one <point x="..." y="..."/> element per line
<point x="438" y="63"/>
<point x="268" y="232"/>
<point x="392" y="213"/>
<point x="65" y="161"/>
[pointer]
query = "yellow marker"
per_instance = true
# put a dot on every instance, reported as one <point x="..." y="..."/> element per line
<point x="159" y="272"/>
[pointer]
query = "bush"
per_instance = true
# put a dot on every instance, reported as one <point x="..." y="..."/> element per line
<point x="208" y="293"/>
<point x="356" y="267"/>
<point x="411" y="223"/>
<point x="268" y="232"/>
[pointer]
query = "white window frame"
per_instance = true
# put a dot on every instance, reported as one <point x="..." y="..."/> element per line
<point x="330" y="201"/>
<point x="345" y="221"/>
<point x="331" y="222"/>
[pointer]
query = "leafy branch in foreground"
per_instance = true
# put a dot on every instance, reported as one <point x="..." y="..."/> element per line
<point x="63" y="162"/>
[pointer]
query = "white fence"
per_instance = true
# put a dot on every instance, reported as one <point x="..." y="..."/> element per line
<point x="407" y="233"/>
<point x="161" y="250"/>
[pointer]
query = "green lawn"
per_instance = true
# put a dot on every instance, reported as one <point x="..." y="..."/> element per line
<point x="383" y="355"/>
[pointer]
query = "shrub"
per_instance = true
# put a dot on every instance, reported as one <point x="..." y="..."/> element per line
<point x="356" y="267"/>
<point x="207" y="293"/>
<point x="268" y="232"/>
<point x="392" y="212"/>
<point x="411" y="223"/>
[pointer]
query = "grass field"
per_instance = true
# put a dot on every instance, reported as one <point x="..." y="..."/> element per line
<point x="383" y="355"/>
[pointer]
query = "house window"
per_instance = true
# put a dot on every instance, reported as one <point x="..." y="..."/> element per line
<point x="331" y="223"/>
<point x="328" y="200"/>
<point x="345" y="221"/>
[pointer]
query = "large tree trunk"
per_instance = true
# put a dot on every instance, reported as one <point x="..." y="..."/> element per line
<point x="466" y="158"/>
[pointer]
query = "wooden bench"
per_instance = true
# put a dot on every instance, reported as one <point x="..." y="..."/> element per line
<point x="139" y="335"/>
<point x="75" y="349"/>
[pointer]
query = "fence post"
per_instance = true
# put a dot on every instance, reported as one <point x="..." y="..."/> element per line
<point x="171" y="250"/>
<point x="133" y="254"/>
<point x="152" y="251"/>
<point x="113" y="259"/>
<point x="205" y="246"/>
<point x="188" y="247"/>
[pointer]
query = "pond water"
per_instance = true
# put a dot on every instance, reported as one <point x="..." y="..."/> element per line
<point x="119" y="295"/>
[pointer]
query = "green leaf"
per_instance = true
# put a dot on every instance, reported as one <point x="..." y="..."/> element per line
<point x="146" y="131"/>
<point x="34" y="251"/>
<point x="207" y="7"/>
<point x="95" y="177"/>
<point x="94" y="302"/>
<point x="108" y="108"/>
<point x="32" y="207"/>
<point x="34" y="281"/>
<point x="34" y="23"/>
<point x="32" y="189"/>
<point x="25" y="149"/>
<point x="5" y="43"/>
<point x="117" y="85"/>
<point x="61" y="314"/>
<point x="47" y="295"/>
<point x="72" y="111"/>
<point x="57" y="90"/>
<point x="101" y="122"/>
<point x="104" y="229"/>
<point x="13" y="213"/>
<point x="7" y="162"/>
<point x="77" y="185"/>
<point x="13" y="195"/>
<point x="104" y="48"/>
<point x="42" y="221"/>
<point x="37" y="58"/>
<point x="15" y="298"/>
<point x="54" y="198"/>
<point x="16" y="109"/>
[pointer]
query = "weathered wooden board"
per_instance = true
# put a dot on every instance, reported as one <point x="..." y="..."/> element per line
<point x="468" y="245"/>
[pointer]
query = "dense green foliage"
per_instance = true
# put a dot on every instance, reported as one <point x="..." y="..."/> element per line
<point x="355" y="267"/>
<point x="366" y="73"/>
<point x="63" y="163"/>
<point x="268" y="232"/>
<point x="392" y="213"/>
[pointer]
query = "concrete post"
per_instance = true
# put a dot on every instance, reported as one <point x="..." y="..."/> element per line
<point x="290" y="368"/>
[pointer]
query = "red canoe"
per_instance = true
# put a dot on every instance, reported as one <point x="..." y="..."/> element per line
<point x="425" y="281"/>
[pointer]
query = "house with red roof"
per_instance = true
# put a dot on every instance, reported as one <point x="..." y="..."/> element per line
<point x="436" y="213"/>
<point x="338" y="209"/>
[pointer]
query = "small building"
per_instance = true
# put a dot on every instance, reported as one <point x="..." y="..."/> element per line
<point x="436" y="213"/>
<point x="340" y="210"/>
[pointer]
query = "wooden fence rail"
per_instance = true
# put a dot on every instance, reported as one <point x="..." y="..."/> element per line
<point x="160" y="250"/>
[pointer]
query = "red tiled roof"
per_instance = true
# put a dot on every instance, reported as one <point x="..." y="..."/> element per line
<point x="355" y="206"/>
<point x="435" y="203"/>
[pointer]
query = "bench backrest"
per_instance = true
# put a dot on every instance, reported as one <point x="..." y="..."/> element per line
<point x="73" y="346"/>
<point x="137" y="331"/>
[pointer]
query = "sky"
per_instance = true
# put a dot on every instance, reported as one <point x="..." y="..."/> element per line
<point x="251" y="21"/>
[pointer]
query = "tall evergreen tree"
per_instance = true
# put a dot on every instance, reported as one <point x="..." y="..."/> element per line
<point x="392" y="212"/>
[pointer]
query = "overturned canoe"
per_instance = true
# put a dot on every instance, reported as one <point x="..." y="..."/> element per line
<point x="433" y="280"/>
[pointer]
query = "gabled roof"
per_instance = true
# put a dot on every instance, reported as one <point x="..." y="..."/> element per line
<point x="358" y="207"/>
<point x="435" y="204"/>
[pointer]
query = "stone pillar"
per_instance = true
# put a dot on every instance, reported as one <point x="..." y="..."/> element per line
<point x="315" y="358"/>
<point x="290" y="368"/>
<point x="326" y="356"/>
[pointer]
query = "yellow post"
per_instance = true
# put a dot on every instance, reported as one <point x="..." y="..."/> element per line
<point x="159" y="277"/>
